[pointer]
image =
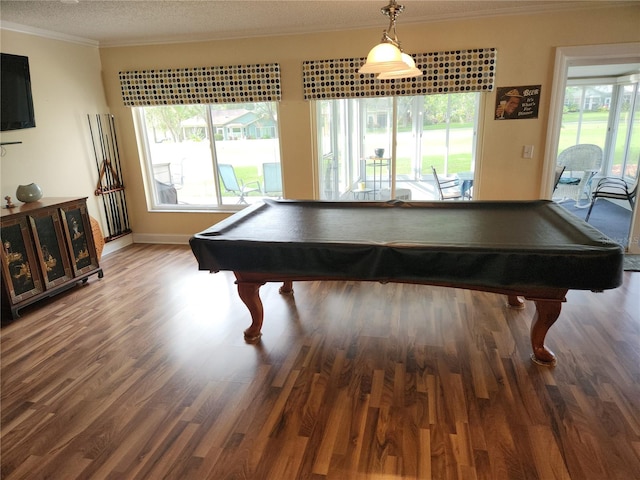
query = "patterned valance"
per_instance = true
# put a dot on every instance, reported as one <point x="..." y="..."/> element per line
<point x="183" y="86"/>
<point x="444" y="72"/>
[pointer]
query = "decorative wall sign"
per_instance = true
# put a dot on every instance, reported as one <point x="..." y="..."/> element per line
<point x="517" y="103"/>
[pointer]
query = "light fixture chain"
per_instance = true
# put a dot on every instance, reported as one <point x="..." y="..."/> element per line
<point x="392" y="11"/>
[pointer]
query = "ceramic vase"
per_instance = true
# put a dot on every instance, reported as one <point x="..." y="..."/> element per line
<point x="29" y="193"/>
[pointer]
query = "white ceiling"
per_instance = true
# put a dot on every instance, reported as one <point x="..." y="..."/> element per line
<point x="604" y="71"/>
<point x="134" y="22"/>
<point x="137" y="22"/>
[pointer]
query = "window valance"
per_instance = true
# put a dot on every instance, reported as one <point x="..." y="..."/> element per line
<point x="183" y="86"/>
<point x="444" y="72"/>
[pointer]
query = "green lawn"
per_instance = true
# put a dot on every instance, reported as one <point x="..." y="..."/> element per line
<point x="460" y="162"/>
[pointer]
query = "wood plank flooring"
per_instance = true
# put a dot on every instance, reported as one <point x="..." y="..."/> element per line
<point x="144" y="374"/>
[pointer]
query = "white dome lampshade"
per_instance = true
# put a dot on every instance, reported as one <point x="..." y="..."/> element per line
<point x="384" y="57"/>
<point x="409" y="70"/>
<point x="387" y="59"/>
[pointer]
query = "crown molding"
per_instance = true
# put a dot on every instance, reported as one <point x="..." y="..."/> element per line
<point x="16" y="27"/>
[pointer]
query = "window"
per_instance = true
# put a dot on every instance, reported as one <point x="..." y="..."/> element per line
<point x="355" y="139"/>
<point x="607" y="115"/>
<point x="585" y="115"/>
<point x="626" y="155"/>
<point x="189" y="168"/>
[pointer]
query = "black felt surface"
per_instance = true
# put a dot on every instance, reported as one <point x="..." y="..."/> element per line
<point x="497" y="244"/>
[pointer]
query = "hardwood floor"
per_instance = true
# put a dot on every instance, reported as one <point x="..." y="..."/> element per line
<point x="144" y="374"/>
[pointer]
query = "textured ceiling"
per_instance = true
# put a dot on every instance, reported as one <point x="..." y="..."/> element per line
<point x="114" y="22"/>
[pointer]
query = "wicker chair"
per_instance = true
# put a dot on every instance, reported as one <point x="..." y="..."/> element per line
<point x="581" y="163"/>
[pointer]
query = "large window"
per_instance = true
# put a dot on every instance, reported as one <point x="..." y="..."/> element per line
<point x="356" y="138"/>
<point x="209" y="156"/>
<point x="607" y="115"/>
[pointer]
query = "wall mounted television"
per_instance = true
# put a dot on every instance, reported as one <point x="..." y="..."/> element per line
<point x="16" y="103"/>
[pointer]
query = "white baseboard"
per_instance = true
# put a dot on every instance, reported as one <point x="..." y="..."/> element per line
<point x="168" y="239"/>
<point x="160" y="238"/>
<point x="117" y="244"/>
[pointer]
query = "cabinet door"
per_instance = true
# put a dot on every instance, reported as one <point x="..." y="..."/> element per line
<point x="77" y="229"/>
<point x="50" y="248"/>
<point x="19" y="264"/>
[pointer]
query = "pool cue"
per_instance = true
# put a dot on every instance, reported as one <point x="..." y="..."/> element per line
<point x="99" y="185"/>
<point x="106" y="176"/>
<point x="123" y="200"/>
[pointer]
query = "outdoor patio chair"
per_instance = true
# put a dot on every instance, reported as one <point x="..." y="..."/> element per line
<point x="232" y="185"/>
<point x="162" y="172"/>
<point x="614" y="188"/>
<point x="558" y="175"/>
<point x="272" y="179"/>
<point x="448" y="187"/>
<point x="167" y="194"/>
<point x="581" y="162"/>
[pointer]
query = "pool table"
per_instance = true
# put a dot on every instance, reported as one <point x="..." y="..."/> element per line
<point x="530" y="249"/>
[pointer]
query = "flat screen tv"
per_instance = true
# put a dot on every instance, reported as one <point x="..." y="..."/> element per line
<point x="16" y="103"/>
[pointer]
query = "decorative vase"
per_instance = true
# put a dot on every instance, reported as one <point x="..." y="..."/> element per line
<point x="379" y="152"/>
<point x="29" y="193"/>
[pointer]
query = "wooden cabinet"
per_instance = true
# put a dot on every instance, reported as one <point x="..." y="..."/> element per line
<point x="47" y="247"/>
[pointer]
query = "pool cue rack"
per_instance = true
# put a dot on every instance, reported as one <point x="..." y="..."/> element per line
<point x="110" y="186"/>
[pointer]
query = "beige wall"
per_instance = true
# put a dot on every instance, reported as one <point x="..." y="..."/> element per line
<point x="56" y="154"/>
<point x="525" y="45"/>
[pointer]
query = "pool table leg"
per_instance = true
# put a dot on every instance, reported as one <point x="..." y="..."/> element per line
<point x="249" y="293"/>
<point x="514" y="301"/>
<point x="286" y="288"/>
<point x="547" y="312"/>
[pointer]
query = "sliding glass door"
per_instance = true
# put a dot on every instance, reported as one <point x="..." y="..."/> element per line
<point x="606" y="115"/>
<point x="382" y="148"/>
<point x="626" y="152"/>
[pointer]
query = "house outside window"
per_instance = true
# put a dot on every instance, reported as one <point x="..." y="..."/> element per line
<point x="189" y="168"/>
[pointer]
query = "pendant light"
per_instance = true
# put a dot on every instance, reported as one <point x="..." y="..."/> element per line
<point x="387" y="58"/>
<point x="408" y="71"/>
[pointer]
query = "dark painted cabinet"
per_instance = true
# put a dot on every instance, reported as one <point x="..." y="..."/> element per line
<point x="47" y="247"/>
